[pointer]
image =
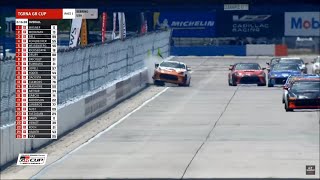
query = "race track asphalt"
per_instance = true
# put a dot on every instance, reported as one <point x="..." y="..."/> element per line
<point x="207" y="130"/>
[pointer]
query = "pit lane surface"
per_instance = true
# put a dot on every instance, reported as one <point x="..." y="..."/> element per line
<point x="206" y="130"/>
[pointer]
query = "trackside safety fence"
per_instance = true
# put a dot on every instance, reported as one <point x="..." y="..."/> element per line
<point x="83" y="70"/>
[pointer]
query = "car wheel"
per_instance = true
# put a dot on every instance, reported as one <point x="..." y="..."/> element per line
<point x="185" y="83"/>
<point x="189" y="82"/>
<point x="155" y="82"/>
<point x="233" y="82"/>
<point x="287" y="108"/>
<point x="261" y="84"/>
<point x="229" y="82"/>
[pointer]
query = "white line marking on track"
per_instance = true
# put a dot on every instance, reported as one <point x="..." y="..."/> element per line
<point x="98" y="135"/>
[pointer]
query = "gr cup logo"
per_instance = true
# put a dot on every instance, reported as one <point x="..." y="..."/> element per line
<point x="32" y="159"/>
<point x="24" y="159"/>
<point x="302" y="23"/>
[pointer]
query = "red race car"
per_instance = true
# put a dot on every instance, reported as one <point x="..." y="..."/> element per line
<point x="246" y="73"/>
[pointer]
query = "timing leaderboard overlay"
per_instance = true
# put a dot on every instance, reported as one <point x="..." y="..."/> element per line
<point x="36" y="69"/>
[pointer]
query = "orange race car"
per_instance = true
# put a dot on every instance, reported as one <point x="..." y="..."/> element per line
<point x="172" y="72"/>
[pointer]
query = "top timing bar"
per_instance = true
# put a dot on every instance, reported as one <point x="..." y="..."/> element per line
<point x="56" y="13"/>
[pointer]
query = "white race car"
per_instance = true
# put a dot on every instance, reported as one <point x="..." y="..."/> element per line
<point x="316" y="65"/>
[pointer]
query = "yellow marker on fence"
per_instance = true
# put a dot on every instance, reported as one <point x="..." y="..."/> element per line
<point x="159" y="53"/>
<point x="84" y="33"/>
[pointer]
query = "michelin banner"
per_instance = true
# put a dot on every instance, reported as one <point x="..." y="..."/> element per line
<point x="302" y="24"/>
<point x="245" y="24"/>
<point x="191" y="24"/>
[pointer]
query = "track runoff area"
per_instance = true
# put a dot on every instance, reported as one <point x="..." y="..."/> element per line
<point x="207" y="130"/>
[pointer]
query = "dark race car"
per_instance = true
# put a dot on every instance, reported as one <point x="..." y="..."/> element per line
<point x="303" y="94"/>
<point x="246" y="73"/>
<point x="293" y="78"/>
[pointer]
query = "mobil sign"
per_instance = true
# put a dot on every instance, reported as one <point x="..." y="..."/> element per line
<point x="302" y="24"/>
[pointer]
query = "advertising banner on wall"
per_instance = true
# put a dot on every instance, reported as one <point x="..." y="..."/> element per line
<point x="84" y="33"/>
<point x="144" y="25"/>
<point x="122" y="25"/>
<point x="104" y="26"/>
<point x="302" y="23"/>
<point x="114" y="35"/>
<point x="245" y="24"/>
<point x="190" y="24"/>
<point x="75" y="32"/>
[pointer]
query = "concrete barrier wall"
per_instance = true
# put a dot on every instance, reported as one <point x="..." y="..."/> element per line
<point x="235" y="50"/>
<point x="260" y="49"/>
<point x="88" y="86"/>
<point x="209" y="50"/>
<point x="73" y="114"/>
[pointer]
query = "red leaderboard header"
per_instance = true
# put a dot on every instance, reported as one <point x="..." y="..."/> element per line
<point x="56" y="13"/>
<point x="39" y="13"/>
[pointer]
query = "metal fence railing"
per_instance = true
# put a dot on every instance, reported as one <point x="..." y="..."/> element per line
<point x="84" y="69"/>
<point x="7" y="91"/>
